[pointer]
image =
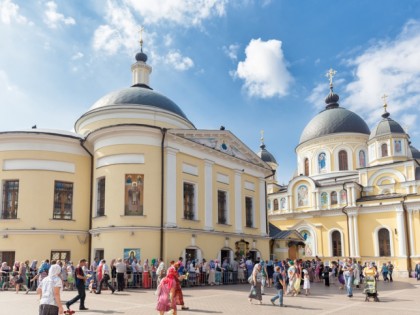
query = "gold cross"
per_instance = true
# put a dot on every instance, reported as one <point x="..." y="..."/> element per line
<point x="384" y="97"/>
<point x="262" y="136"/>
<point x="330" y="74"/>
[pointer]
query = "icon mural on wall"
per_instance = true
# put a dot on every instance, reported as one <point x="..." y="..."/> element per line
<point x="308" y="242"/>
<point x="283" y="203"/>
<point x="302" y="196"/>
<point x="397" y="146"/>
<point x="131" y="253"/>
<point x="324" y="199"/>
<point x="362" y="158"/>
<point x="134" y="194"/>
<point x="343" y="196"/>
<point x="322" y="159"/>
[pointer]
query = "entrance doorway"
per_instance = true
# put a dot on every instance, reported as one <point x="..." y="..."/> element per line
<point x="190" y="254"/>
<point x="224" y="253"/>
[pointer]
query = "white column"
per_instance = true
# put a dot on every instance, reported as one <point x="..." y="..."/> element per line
<point x="208" y="195"/>
<point x="351" y="236"/>
<point x="171" y="185"/>
<point x="401" y="233"/>
<point x="289" y="203"/>
<point x="317" y="200"/>
<point x="411" y="232"/>
<point x="351" y="196"/>
<point x="314" y="200"/>
<point x="356" y="236"/>
<point x="263" y="215"/>
<point x="238" y="201"/>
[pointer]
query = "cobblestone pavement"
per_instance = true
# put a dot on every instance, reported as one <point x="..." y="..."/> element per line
<point x="400" y="297"/>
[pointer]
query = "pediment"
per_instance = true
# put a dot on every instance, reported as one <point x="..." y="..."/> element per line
<point x="222" y="141"/>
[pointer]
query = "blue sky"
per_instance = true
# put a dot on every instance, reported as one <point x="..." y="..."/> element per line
<point x="248" y="65"/>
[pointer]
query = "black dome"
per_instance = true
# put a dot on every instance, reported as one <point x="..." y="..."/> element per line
<point x="141" y="95"/>
<point x="334" y="119"/>
<point x="415" y="153"/>
<point x="386" y="126"/>
<point x="266" y="156"/>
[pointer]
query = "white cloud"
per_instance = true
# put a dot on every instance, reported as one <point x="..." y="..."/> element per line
<point x="320" y="92"/>
<point x="53" y="18"/>
<point x="77" y="56"/>
<point x="9" y="12"/>
<point x="180" y="12"/>
<point x="264" y="69"/>
<point x="120" y="32"/>
<point x="179" y="62"/>
<point x="231" y="51"/>
<point x="391" y="67"/>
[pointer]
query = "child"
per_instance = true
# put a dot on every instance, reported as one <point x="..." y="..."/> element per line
<point x="306" y="282"/>
<point x="91" y="282"/>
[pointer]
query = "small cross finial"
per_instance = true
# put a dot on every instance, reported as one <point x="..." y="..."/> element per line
<point x="141" y="36"/>
<point x="330" y="75"/>
<point x="384" y="97"/>
<point x="262" y="136"/>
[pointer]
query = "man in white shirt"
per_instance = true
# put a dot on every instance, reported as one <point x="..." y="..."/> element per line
<point x="121" y="269"/>
<point x="105" y="278"/>
<point x="348" y="273"/>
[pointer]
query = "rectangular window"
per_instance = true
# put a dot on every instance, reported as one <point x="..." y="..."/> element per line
<point x="222" y="207"/>
<point x="10" y="199"/>
<point x="249" y="212"/>
<point x="63" y="201"/>
<point x="100" y="207"/>
<point x="134" y="194"/>
<point x="8" y="257"/>
<point x="62" y="255"/>
<point x="189" y="204"/>
<point x="99" y="253"/>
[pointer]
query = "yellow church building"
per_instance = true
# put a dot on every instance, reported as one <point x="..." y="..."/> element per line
<point x="356" y="192"/>
<point x="136" y="177"/>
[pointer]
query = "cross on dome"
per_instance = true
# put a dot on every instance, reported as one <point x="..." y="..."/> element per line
<point x="141" y="37"/>
<point x="330" y="75"/>
<point x="384" y="97"/>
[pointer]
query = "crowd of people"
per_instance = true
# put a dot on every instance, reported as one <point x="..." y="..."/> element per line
<point x="294" y="277"/>
<point x="287" y="277"/>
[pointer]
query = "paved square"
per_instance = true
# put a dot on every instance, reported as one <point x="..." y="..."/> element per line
<point x="400" y="297"/>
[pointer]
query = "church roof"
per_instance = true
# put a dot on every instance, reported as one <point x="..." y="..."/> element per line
<point x="266" y="156"/>
<point x="141" y="95"/>
<point x="334" y="119"/>
<point x="414" y="152"/>
<point x="386" y="126"/>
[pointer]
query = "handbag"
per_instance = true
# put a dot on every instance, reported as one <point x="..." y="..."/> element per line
<point x="250" y="280"/>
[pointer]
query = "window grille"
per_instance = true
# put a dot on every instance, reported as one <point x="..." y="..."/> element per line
<point x="189" y="201"/>
<point x="10" y="199"/>
<point x="100" y="211"/>
<point x="249" y="210"/>
<point x="222" y="211"/>
<point x="63" y="201"/>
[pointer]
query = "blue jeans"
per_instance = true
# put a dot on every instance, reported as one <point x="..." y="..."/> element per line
<point x="278" y="296"/>
<point x="349" y="284"/>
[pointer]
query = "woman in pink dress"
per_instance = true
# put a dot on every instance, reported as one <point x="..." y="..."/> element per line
<point x="166" y="293"/>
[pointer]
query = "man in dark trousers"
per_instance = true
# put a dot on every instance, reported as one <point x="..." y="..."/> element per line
<point x="105" y="278"/>
<point x="80" y="285"/>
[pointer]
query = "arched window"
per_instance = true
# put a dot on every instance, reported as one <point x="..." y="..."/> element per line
<point x="306" y="167"/>
<point x="336" y="244"/>
<point x="342" y="161"/>
<point x="384" y="242"/>
<point x="384" y="149"/>
<point x="334" y="200"/>
<point x="282" y="203"/>
<point x="276" y="205"/>
<point x="362" y="158"/>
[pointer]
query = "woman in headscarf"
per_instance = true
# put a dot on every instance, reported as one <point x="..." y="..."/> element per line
<point x="166" y="292"/>
<point x="179" y="297"/>
<point x="49" y="292"/>
<point x="256" y="284"/>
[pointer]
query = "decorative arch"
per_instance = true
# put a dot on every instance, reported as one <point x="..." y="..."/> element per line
<point x="334" y="198"/>
<point x="343" y="163"/>
<point x="275" y="204"/>
<point x="399" y="175"/>
<point x="376" y="240"/>
<point x="306" y="166"/>
<point x="332" y="245"/>
<point x="312" y="230"/>
<point x="362" y="158"/>
<point x="384" y="150"/>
